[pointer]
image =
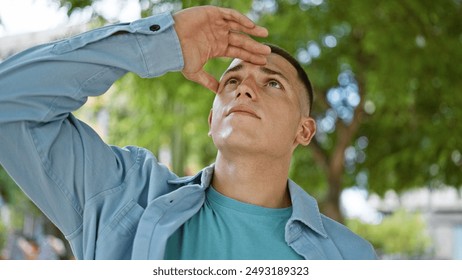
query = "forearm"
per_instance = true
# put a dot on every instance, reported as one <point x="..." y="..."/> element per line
<point x="48" y="81"/>
<point x="57" y="160"/>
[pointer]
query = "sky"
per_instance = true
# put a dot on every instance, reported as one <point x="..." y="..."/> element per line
<point x="23" y="16"/>
<point x="29" y="16"/>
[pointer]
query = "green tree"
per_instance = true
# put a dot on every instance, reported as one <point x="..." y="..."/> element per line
<point x="401" y="235"/>
<point x="399" y="58"/>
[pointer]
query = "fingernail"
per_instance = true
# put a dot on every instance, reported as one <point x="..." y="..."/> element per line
<point x="265" y="31"/>
<point x="268" y="49"/>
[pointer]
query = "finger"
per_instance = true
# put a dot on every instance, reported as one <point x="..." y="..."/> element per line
<point x="203" y="78"/>
<point x="235" y="52"/>
<point x="257" y="30"/>
<point x="233" y="15"/>
<point x="245" y="42"/>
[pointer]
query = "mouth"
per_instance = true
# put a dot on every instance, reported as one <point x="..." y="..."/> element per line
<point x="243" y="110"/>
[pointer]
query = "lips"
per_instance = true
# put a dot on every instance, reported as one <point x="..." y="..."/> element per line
<point x="243" y="110"/>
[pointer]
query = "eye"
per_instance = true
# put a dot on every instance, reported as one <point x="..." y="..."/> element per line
<point x="274" y="84"/>
<point x="231" y="81"/>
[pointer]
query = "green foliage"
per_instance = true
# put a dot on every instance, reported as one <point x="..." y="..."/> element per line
<point x="412" y="87"/>
<point x="403" y="55"/>
<point x="16" y="200"/>
<point x="400" y="234"/>
<point x="163" y="113"/>
<point x="307" y="172"/>
<point x="75" y="5"/>
<point x="3" y="235"/>
<point x="6" y="183"/>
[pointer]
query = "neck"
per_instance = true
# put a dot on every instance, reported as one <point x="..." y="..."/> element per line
<point x="255" y="180"/>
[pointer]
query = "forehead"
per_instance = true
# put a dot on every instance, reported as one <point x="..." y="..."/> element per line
<point x="275" y="62"/>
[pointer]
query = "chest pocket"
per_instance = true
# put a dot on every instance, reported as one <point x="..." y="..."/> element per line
<point x="116" y="239"/>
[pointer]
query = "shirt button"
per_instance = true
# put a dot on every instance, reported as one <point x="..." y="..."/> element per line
<point x="154" y="27"/>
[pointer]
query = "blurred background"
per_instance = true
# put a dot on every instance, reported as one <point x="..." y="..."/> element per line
<point x="387" y="157"/>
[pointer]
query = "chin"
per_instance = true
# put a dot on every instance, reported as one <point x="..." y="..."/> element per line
<point x="236" y="146"/>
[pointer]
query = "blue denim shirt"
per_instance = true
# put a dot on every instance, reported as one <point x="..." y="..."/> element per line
<point x="112" y="202"/>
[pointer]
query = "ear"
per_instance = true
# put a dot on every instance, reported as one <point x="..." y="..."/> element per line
<point x="210" y="122"/>
<point x="306" y="131"/>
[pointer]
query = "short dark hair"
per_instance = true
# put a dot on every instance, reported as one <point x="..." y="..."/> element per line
<point x="300" y="71"/>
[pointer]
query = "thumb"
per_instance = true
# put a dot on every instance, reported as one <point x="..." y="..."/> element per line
<point x="203" y="78"/>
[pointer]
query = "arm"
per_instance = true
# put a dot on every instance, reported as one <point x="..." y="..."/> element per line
<point x="49" y="80"/>
<point x="58" y="160"/>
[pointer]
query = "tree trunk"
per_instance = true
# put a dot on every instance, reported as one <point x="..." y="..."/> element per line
<point x="331" y="206"/>
<point x="334" y="163"/>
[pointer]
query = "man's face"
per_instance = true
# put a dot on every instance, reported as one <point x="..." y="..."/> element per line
<point x="261" y="109"/>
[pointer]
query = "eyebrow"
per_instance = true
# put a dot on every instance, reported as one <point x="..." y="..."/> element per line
<point x="263" y="69"/>
<point x="233" y="69"/>
<point x="273" y="72"/>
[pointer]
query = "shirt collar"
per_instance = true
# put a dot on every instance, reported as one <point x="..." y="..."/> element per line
<point x="305" y="209"/>
<point x="207" y="175"/>
<point x="203" y="178"/>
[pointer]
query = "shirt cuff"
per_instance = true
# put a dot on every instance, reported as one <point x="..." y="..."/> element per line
<point x="161" y="49"/>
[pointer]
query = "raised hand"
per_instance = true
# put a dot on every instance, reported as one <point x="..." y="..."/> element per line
<point x="206" y="32"/>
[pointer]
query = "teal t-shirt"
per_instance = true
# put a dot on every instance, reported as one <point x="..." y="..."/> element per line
<point x="227" y="229"/>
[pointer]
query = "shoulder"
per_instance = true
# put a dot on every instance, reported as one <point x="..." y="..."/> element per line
<point x="350" y="245"/>
<point x="140" y="173"/>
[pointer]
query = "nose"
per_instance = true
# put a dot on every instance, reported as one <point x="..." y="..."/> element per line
<point x="245" y="89"/>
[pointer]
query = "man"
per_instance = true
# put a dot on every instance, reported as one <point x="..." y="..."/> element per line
<point x="120" y="203"/>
